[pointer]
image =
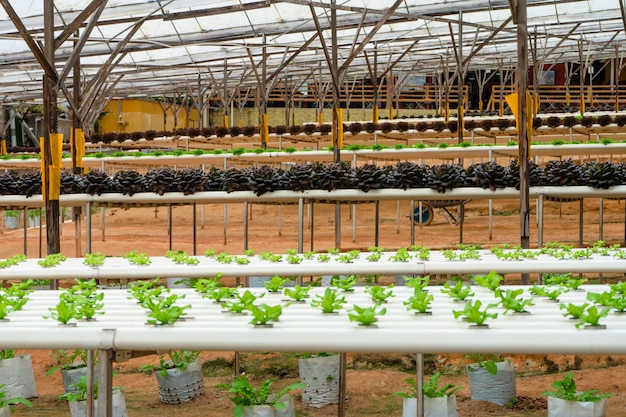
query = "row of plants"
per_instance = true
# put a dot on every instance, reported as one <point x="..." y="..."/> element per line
<point x="328" y="177"/>
<point x="462" y="252"/>
<point x="358" y="127"/>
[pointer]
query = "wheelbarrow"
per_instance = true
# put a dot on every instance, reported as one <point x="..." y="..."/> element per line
<point x="424" y="213"/>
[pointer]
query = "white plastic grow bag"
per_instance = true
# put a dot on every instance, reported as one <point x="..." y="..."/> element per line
<point x="499" y="388"/>
<point x="321" y="377"/>
<point x="79" y="408"/>
<point x="433" y="407"/>
<point x="178" y="386"/>
<point x="18" y="377"/>
<point x="558" y="407"/>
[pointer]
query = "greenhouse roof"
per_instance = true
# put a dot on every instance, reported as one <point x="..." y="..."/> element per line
<point x="143" y="48"/>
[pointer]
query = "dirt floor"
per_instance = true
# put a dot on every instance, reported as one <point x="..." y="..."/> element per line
<point x="371" y="379"/>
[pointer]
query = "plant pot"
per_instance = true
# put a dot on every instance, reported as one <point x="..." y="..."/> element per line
<point x="433" y="407"/>
<point x="34" y="222"/>
<point x="178" y="386"/>
<point x="72" y="376"/>
<point x="10" y="222"/>
<point x="269" y="411"/>
<point x="565" y="408"/>
<point x="321" y="377"/>
<point x="499" y="388"/>
<point x="18" y="377"/>
<point x="5" y="411"/>
<point x="79" y="408"/>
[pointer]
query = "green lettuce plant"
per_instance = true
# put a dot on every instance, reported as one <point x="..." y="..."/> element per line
<point x="330" y="302"/>
<point x="566" y="389"/>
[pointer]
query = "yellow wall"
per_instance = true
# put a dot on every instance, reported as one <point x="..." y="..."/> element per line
<point x="134" y="115"/>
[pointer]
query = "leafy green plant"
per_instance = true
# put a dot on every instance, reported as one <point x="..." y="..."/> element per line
<point x="417" y="283"/>
<point x="13" y="260"/>
<point x="431" y="388"/>
<point x="366" y="316"/>
<point x="242" y="302"/>
<point x="401" y="255"/>
<point x="330" y="302"/>
<point x="217" y="294"/>
<point x="374" y="257"/>
<point x="591" y="317"/>
<point x="181" y="257"/>
<point x="297" y="293"/>
<point x="10" y="402"/>
<point x="491" y="281"/>
<point x="380" y="294"/>
<point x="458" y="292"/>
<point x="294" y="259"/>
<point x="225" y="258"/>
<point x="275" y="284"/>
<point x="419" y="301"/>
<point x="345" y="284"/>
<point x="51" y="260"/>
<point x="67" y="360"/>
<point x="86" y="307"/>
<point x="264" y="313"/>
<point x="63" y="312"/>
<point x="176" y="359"/>
<point x="472" y="313"/>
<point x="512" y="300"/>
<point x="572" y="310"/>
<point x="245" y="395"/>
<point x="94" y="259"/>
<point x="137" y="258"/>
<point x="488" y="362"/>
<point x="423" y="253"/>
<point x="548" y="292"/>
<point x="566" y="389"/>
<point x="323" y="257"/>
<point x="604" y="298"/>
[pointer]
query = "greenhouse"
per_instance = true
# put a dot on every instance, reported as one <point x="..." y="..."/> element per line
<point x="426" y="154"/>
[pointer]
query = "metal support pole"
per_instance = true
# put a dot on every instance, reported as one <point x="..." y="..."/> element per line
<point x="580" y="222"/>
<point x="169" y="223"/>
<point x="301" y="225"/>
<point x="90" y="381"/>
<point x="312" y="205"/>
<point x="342" y="384"/>
<point x="540" y="222"/>
<point x="195" y="231"/>
<point x="412" y="222"/>
<point x="601" y="213"/>
<point x="353" y="223"/>
<point x="245" y="225"/>
<point x="25" y="226"/>
<point x="88" y="227"/>
<point x="105" y="383"/>
<point x="377" y="220"/>
<point x="419" y="383"/>
<point x="490" y="219"/>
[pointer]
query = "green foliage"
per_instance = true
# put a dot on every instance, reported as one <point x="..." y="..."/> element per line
<point x="489" y="362"/>
<point x="217" y="294"/>
<point x="297" y="293"/>
<point x="330" y="302"/>
<point x="264" y="313"/>
<point x="242" y="303"/>
<point x="94" y="259"/>
<point x="591" y="316"/>
<point x="458" y="292"/>
<point x="431" y="388"/>
<point x="417" y="283"/>
<point x="7" y="354"/>
<point x="63" y="312"/>
<point x="548" y="292"/>
<point x="176" y="359"/>
<point x="511" y="300"/>
<point x="67" y="360"/>
<point x="51" y="260"/>
<point x="565" y="389"/>
<point x="137" y="258"/>
<point x="345" y="284"/>
<point x="181" y="257"/>
<point x="491" y="281"/>
<point x="366" y="316"/>
<point x="379" y="294"/>
<point x="472" y="313"/>
<point x="275" y="284"/>
<point x="245" y="395"/>
<point x="573" y="311"/>
<point x="13" y="260"/>
<point x="419" y="301"/>
<point x="11" y="401"/>
<point x="401" y="255"/>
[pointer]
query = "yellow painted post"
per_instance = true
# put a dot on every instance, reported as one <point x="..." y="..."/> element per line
<point x="375" y="115"/>
<point x="340" y="128"/>
<point x="3" y="146"/>
<point x="266" y="131"/>
<point x="42" y="145"/>
<point x="567" y="98"/>
<point x="391" y="113"/>
<point x="582" y="103"/>
<point x="56" y="150"/>
<point x="225" y="121"/>
<point x="77" y="141"/>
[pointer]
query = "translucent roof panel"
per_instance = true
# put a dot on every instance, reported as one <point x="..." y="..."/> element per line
<point x="166" y="44"/>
